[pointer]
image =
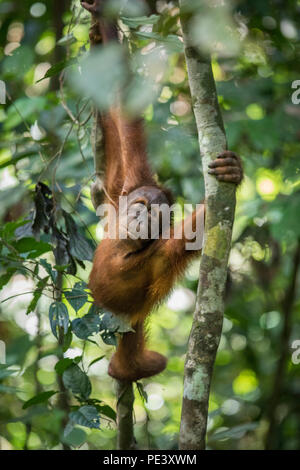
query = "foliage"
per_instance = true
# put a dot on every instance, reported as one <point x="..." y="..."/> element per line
<point x="57" y="342"/>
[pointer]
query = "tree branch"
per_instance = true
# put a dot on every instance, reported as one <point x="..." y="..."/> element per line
<point x="125" y="400"/>
<point x="220" y="206"/>
<point x="97" y="136"/>
<point x="63" y="400"/>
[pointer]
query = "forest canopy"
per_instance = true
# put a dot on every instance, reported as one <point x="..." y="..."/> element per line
<point x="55" y="346"/>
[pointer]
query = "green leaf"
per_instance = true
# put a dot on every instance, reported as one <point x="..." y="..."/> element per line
<point x="74" y="437"/>
<point x="172" y="40"/>
<point x="31" y="246"/>
<point x="236" y="432"/>
<point x="37" y="399"/>
<point x="108" y="63"/>
<point x="8" y="230"/>
<point x="17" y="350"/>
<point x="20" y="156"/>
<point x="77" y="381"/>
<point x="63" y="365"/>
<point x="67" y="40"/>
<point x="142" y="391"/>
<point x="109" y="338"/>
<point x="106" y="410"/>
<point x="96" y="360"/>
<point x="5" y="278"/>
<point x="37" y="294"/>
<point x="132" y="8"/>
<point x="30" y="107"/>
<point x="17" y="64"/>
<point x="86" y="326"/>
<point x="59" y="317"/>
<point x="87" y="416"/>
<point x="140" y="20"/>
<point x="77" y="297"/>
<point x="68" y="339"/>
<point x="6" y="372"/>
<point x="11" y="196"/>
<point x="68" y="429"/>
<point x="47" y="266"/>
<point x="57" y="68"/>
<point x="7" y="389"/>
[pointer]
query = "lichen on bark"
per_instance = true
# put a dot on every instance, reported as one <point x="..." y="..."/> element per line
<point x="220" y="206"/>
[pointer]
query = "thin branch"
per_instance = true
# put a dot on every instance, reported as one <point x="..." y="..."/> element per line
<point x="125" y="400"/>
<point x="63" y="101"/>
<point x="25" y="293"/>
<point x="63" y="402"/>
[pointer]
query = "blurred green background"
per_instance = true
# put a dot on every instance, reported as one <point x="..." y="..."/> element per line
<point x="45" y="136"/>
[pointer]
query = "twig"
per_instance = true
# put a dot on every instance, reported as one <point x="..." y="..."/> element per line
<point x="63" y="397"/>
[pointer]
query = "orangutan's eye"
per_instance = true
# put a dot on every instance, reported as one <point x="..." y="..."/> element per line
<point x="136" y="210"/>
<point x="142" y="201"/>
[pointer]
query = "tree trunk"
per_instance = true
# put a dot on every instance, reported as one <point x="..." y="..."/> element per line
<point x="220" y="206"/>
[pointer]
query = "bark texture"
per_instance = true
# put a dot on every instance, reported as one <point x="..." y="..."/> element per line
<point x="220" y="206"/>
<point x="125" y="397"/>
<point x="97" y="194"/>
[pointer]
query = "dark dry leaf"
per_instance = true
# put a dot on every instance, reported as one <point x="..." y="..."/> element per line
<point x="60" y="251"/>
<point x="80" y="247"/>
<point x="43" y="207"/>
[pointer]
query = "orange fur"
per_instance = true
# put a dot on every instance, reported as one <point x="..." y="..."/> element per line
<point x="130" y="278"/>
